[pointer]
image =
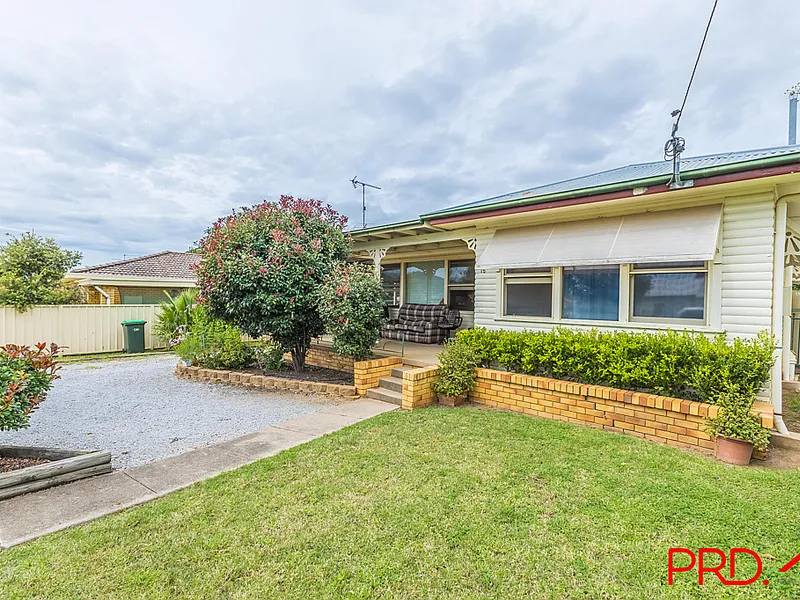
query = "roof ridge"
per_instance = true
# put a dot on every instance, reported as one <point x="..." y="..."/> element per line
<point x="125" y="261"/>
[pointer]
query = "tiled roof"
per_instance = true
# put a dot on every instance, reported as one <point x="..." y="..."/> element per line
<point x="631" y="173"/>
<point x="161" y="265"/>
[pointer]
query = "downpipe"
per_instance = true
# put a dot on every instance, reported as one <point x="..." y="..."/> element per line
<point x="778" y="262"/>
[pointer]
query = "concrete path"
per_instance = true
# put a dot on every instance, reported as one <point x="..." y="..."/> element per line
<point x="27" y="517"/>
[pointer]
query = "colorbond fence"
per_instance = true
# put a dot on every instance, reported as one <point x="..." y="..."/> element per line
<point x="81" y="328"/>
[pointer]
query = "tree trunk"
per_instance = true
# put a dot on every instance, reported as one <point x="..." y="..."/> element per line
<point x="299" y="356"/>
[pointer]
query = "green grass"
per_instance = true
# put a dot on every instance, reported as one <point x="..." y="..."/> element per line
<point x="433" y="503"/>
<point x="79" y="358"/>
<point x="791" y="411"/>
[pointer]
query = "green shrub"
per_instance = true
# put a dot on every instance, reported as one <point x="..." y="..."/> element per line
<point x="174" y="317"/>
<point x="26" y="375"/>
<point x="350" y="302"/>
<point x="677" y="364"/>
<point x="268" y="355"/>
<point x="213" y="344"/>
<point x="736" y="419"/>
<point x="457" y="363"/>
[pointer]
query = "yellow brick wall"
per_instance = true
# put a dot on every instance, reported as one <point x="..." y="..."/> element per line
<point x="657" y="418"/>
<point x="319" y="356"/>
<point x="367" y="373"/>
<point x="418" y="387"/>
<point x="95" y="297"/>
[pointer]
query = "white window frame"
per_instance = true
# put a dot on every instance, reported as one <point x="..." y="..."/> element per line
<point x="626" y="318"/>
<point x="532" y="275"/>
<point x="470" y="287"/>
<point x="704" y="268"/>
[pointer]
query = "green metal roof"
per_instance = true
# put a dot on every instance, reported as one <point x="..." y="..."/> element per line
<point x="630" y="176"/>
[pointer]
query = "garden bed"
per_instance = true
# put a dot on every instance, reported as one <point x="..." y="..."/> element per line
<point x="34" y="468"/>
<point x="310" y="373"/>
<point x="279" y="381"/>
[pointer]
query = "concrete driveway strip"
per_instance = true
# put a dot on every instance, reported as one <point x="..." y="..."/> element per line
<point x="30" y="516"/>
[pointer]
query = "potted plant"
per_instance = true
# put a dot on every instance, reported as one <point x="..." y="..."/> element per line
<point x="736" y="430"/>
<point x="456" y="375"/>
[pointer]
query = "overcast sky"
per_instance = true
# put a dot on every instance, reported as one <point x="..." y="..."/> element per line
<point x="127" y="128"/>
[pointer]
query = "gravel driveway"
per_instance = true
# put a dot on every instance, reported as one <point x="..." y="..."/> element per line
<point x="140" y="411"/>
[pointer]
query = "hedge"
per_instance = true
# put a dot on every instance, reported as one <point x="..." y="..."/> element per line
<point x="684" y="365"/>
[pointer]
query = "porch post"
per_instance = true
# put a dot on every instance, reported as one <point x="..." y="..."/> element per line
<point x="377" y="254"/>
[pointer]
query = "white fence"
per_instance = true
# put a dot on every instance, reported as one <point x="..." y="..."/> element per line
<point x="81" y="328"/>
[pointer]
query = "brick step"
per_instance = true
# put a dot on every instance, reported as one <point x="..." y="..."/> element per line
<point x="385" y="395"/>
<point x="398" y="371"/>
<point x="394" y="384"/>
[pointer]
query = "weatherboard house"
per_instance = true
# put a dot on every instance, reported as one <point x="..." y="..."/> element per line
<point x="620" y="249"/>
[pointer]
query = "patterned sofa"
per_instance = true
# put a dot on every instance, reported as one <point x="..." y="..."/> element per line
<point x="422" y="323"/>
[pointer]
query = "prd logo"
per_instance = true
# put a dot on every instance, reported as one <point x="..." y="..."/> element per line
<point x="712" y="561"/>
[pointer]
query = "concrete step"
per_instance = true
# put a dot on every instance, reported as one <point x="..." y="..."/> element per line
<point x="392" y="383"/>
<point x="398" y="371"/>
<point x="385" y="395"/>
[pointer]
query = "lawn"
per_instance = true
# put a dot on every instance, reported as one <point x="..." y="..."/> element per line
<point x="434" y="503"/>
<point x="791" y="411"/>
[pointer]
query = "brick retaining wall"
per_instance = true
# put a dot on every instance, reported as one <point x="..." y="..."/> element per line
<point x="418" y="387"/>
<point x="367" y="373"/>
<point x="320" y="356"/>
<point x="658" y="418"/>
<point x="262" y="381"/>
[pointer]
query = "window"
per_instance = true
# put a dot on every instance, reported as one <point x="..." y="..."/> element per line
<point x="461" y="284"/>
<point x="590" y="293"/>
<point x="669" y="291"/>
<point x="528" y="292"/>
<point x="425" y="282"/>
<point x="390" y="280"/>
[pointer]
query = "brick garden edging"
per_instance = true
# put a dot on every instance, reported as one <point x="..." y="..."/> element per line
<point x="263" y="381"/>
<point x="670" y="421"/>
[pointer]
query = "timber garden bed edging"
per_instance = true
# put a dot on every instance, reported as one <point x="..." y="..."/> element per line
<point x="64" y="466"/>
<point x="246" y="379"/>
<point x="671" y="421"/>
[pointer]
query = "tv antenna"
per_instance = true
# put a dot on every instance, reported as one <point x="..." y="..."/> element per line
<point x="363" y="185"/>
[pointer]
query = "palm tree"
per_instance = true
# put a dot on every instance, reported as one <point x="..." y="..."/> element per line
<point x="175" y="315"/>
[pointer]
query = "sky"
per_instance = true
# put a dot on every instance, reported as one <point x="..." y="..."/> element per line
<point x="128" y="127"/>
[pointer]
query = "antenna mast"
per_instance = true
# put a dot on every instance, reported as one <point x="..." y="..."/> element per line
<point x="363" y="185"/>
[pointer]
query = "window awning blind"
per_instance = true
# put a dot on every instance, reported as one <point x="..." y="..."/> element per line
<point x="670" y="235"/>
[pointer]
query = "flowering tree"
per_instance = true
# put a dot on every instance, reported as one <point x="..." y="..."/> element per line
<point x="352" y="309"/>
<point x="262" y="265"/>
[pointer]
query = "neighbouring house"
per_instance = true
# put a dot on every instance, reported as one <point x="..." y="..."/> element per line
<point x="620" y="249"/>
<point x="141" y="280"/>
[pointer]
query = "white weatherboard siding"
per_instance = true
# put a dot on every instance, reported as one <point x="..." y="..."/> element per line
<point x="740" y="289"/>
<point x="747" y="244"/>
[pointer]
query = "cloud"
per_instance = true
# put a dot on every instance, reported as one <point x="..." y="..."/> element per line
<point x="127" y="131"/>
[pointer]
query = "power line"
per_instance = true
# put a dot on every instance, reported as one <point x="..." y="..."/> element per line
<point x="696" y="62"/>
<point x="675" y="145"/>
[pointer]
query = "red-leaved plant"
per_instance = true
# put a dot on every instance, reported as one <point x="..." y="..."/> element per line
<point x="262" y="265"/>
<point x="26" y="375"/>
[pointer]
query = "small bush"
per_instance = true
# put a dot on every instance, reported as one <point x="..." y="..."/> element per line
<point x="456" y="375"/>
<point x="268" y="356"/>
<point x="350" y="302"/>
<point x="736" y="419"/>
<point x="213" y="344"/>
<point x="174" y="317"/>
<point x="677" y="364"/>
<point x="26" y="375"/>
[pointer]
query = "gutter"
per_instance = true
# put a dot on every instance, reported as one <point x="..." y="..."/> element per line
<point x="616" y="187"/>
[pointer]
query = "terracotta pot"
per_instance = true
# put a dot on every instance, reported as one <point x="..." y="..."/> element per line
<point x="451" y="400"/>
<point x="733" y="451"/>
